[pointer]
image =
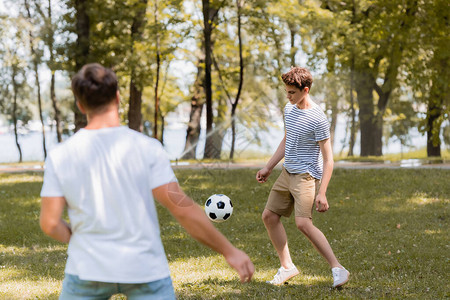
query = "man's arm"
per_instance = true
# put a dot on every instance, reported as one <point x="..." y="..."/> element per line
<point x="196" y="223"/>
<point x="327" y="154"/>
<point x="50" y="220"/>
<point x="264" y="173"/>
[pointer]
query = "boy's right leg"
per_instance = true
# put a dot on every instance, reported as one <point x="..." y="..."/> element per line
<point x="277" y="235"/>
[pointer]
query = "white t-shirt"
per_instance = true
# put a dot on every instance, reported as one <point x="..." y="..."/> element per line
<point x="304" y="129"/>
<point x="107" y="176"/>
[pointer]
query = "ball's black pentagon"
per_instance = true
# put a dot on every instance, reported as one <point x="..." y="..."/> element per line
<point x="220" y="205"/>
<point x="231" y="203"/>
<point x="226" y="216"/>
<point x="208" y="202"/>
<point x="212" y="216"/>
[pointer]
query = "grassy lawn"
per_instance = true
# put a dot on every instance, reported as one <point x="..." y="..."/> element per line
<point x="388" y="227"/>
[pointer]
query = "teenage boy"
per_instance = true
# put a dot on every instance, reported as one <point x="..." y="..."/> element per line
<point x="108" y="176"/>
<point x="304" y="178"/>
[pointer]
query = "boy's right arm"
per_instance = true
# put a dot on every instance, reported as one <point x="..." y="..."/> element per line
<point x="193" y="219"/>
<point x="263" y="174"/>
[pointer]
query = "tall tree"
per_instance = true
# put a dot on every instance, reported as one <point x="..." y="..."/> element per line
<point x="14" y="53"/>
<point x="15" y="84"/>
<point x="197" y="104"/>
<point x="136" y="85"/>
<point x="48" y="36"/>
<point x="158" y="66"/>
<point x="428" y="69"/>
<point x="36" y="58"/>
<point x="210" y="12"/>
<point x="234" y="104"/>
<point x="376" y="32"/>
<point x="82" y="50"/>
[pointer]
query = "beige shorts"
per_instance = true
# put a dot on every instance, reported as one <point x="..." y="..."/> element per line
<point x="293" y="191"/>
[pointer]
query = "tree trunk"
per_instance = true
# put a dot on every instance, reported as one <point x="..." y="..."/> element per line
<point x="134" y="112"/>
<point x="14" y="113"/>
<point x="293" y="50"/>
<point x="234" y="105"/>
<point x="82" y="51"/>
<point x="351" y="145"/>
<point x="197" y="103"/>
<point x="49" y="41"/>
<point x="158" y="66"/>
<point x="52" y="80"/>
<point x="334" y="115"/>
<point x="38" y="84"/>
<point x="55" y="108"/>
<point x="433" y="147"/>
<point x="438" y="94"/>
<point x="207" y="31"/>
<point x="162" y="129"/>
<point x="434" y="121"/>
<point x="364" y="88"/>
<point x="36" y="76"/>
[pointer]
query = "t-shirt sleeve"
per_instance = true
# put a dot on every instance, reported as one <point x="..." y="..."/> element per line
<point x="322" y="131"/>
<point x="161" y="171"/>
<point x="51" y="186"/>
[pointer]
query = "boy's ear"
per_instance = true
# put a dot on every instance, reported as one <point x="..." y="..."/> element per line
<point x="307" y="89"/>
<point x="118" y="98"/>
<point x="80" y="107"/>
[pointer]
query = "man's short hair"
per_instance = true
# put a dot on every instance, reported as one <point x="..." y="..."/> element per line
<point x="298" y="77"/>
<point x="94" y="86"/>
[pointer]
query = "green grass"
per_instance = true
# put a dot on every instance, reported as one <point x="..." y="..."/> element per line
<point x="388" y="227"/>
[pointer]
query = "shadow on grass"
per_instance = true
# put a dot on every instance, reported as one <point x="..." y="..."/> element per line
<point x="231" y="289"/>
<point x="388" y="227"/>
<point x="34" y="265"/>
<point x="19" y="212"/>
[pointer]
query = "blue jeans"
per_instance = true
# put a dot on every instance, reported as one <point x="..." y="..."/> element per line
<point x="75" y="288"/>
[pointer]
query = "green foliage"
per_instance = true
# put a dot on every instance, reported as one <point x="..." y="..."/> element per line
<point x="401" y="46"/>
<point x="14" y="64"/>
<point x="390" y="237"/>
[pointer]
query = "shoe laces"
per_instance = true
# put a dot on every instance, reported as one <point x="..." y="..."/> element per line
<point x="276" y="278"/>
<point x="336" y="273"/>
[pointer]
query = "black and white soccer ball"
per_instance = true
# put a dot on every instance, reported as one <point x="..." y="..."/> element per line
<point x="218" y="208"/>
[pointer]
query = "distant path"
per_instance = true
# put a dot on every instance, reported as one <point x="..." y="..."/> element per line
<point x="410" y="164"/>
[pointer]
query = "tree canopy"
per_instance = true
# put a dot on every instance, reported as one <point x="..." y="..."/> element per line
<point x="382" y="65"/>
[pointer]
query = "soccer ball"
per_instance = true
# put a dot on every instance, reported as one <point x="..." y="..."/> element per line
<point x="218" y="208"/>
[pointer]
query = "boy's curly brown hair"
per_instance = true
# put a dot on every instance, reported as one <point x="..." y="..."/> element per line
<point x="298" y="77"/>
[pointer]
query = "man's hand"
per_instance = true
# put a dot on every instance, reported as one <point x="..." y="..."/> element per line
<point x="193" y="218"/>
<point x="240" y="261"/>
<point x="263" y="174"/>
<point x="321" y="203"/>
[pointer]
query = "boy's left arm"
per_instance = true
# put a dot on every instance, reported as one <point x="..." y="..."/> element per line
<point x="327" y="154"/>
<point x="51" y="220"/>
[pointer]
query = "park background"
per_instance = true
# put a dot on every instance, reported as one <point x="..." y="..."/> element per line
<point x="203" y="77"/>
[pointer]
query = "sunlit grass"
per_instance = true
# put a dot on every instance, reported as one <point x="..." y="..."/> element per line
<point x="388" y="227"/>
<point x="420" y="154"/>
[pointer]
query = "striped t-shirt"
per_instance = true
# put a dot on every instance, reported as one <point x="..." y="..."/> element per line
<point x="304" y="129"/>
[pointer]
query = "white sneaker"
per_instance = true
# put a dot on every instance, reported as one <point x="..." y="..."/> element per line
<point x="340" y="276"/>
<point x="283" y="275"/>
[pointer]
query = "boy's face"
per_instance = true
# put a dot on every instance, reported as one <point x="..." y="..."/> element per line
<point x="295" y="95"/>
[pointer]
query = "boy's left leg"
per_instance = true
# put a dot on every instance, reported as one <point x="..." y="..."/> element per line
<point x="304" y="189"/>
<point x="317" y="239"/>
<point x="320" y="242"/>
